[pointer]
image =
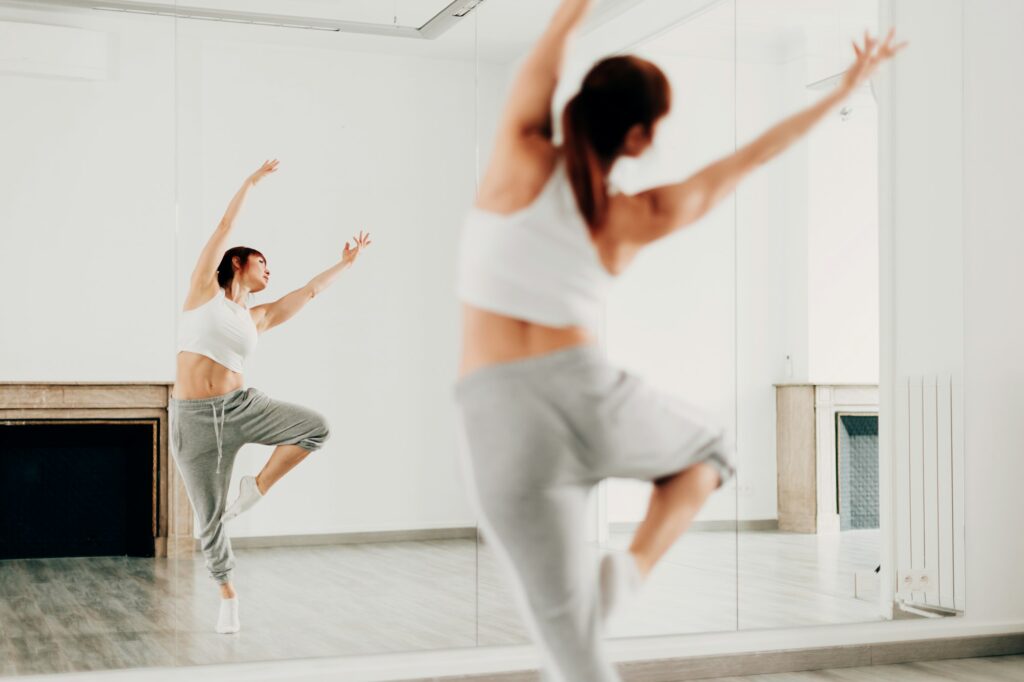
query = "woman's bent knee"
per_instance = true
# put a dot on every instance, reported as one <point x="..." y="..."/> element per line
<point x="319" y="433"/>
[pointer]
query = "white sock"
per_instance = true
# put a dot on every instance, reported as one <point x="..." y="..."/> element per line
<point x="619" y="581"/>
<point x="248" y="495"/>
<point x="227" y="621"/>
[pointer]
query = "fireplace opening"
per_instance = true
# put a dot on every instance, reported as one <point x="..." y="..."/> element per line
<point x="77" y="488"/>
<point x="857" y="471"/>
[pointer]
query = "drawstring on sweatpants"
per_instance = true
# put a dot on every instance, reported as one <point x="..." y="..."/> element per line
<point x="218" y="432"/>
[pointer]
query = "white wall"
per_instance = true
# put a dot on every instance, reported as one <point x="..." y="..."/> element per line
<point x="993" y="242"/>
<point x="771" y="278"/>
<point x="807" y="253"/>
<point x="956" y="241"/>
<point x="922" y="274"/>
<point x="87" y="209"/>
<point x="95" y="170"/>
<point x="379" y="142"/>
<point x="842" y="220"/>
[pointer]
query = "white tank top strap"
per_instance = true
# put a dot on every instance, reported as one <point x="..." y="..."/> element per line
<point x="538" y="264"/>
<point x="221" y="330"/>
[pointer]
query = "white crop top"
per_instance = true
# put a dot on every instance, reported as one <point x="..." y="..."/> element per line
<point x="221" y="330"/>
<point x="537" y="264"/>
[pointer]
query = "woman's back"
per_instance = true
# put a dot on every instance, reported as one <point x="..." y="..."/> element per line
<point x="537" y="264"/>
<point x="531" y="279"/>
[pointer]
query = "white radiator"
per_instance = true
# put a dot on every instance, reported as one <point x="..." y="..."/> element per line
<point x="928" y="492"/>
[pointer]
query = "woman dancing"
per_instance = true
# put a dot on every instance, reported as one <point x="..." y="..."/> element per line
<point x="212" y="415"/>
<point x="544" y="416"/>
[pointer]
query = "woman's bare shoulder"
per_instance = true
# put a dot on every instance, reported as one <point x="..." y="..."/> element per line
<point x="199" y="296"/>
<point x="517" y="174"/>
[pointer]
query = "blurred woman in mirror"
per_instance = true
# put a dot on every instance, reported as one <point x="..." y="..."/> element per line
<point x="544" y="417"/>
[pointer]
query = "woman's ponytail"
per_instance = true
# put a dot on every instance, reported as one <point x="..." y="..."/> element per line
<point x="586" y="174"/>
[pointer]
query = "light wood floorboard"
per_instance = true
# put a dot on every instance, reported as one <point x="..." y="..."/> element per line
<point x="994" y="669"/>
<point x="105" y="613"/>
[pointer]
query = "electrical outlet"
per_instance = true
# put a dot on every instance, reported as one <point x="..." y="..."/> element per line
<point x="917" y="580"/>
<point x="928" y="581"/>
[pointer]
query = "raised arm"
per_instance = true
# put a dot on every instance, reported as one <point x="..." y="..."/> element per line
<point x="523" y="151"/>
<point x="270" y="315"/>
<point x="204" y="276"/>
<point x="528" y="110"/>
<point x="670" y="207"/>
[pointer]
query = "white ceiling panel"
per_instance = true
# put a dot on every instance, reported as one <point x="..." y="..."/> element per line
<point x="413" y="13"/>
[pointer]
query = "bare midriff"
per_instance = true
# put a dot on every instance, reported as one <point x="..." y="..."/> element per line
<point x="489" y="339"/>
<point x="202" y="377"/>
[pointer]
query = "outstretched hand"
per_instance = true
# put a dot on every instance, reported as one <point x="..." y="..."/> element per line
<point x="267" y="168"/>
<point x="350" y="253"/>
<point x="869" y="56"/>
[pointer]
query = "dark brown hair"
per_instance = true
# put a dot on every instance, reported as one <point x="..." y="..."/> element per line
<point x="226" y="270"/>
<point x="617" y="94"/>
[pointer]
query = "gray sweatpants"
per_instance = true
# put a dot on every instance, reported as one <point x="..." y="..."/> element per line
<point x="206" y="435"/>
<point x="538" y="434"/>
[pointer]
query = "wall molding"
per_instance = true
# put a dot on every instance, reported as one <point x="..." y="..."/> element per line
<point x="792" y="660"/>
<point x="361" y="537"/>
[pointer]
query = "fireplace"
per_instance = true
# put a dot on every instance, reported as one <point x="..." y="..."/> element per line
<point x="810" y="419"/>
<point x="71" y="488"/>
<point x="85" y="471"/>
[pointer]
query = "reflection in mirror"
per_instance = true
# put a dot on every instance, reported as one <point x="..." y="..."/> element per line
<point x="86" y="357"/>
<point x="681" y="283"/>
<point x="124" y="155"/>
<point x="807" y="231"/>
<point x="827" y="522"/>
<point x="368" y="545"/>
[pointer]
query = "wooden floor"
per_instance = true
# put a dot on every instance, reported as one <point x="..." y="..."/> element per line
<point x="785" y="580"/>
<point x="994" y="669"/>
<point x="105" y="613"/>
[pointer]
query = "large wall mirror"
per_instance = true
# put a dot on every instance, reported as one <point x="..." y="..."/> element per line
<point x="808" y="326"/>
<point x="833" y="528"/>
<point x="373" y="127"/>
<point x="133" y="125"/>
<point x="88" y="241"/>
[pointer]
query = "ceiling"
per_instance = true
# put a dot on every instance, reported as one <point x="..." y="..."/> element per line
<point x="413" y="13"/>
<point x="501" y="30"/>
<point x="498" y="29"/>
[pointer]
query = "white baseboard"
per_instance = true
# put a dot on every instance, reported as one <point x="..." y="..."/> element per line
<point x="708" y="526"/>
<point x="320" y="539"/>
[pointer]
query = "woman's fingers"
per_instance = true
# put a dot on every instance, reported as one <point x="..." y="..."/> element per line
<point x="887" y="49"/>
<point x="887" y="43"/>
<point x="872" y="53"/>
<point x="894" y="49"/>
<point x="869" y="42"/>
